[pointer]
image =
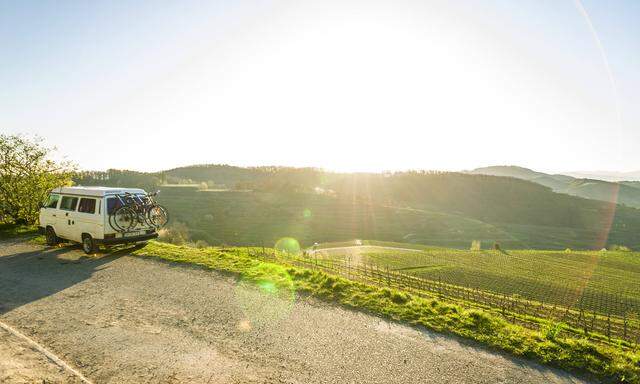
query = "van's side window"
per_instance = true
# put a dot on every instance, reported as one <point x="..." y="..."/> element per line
<point x="113" y="203"/>
<point x="87" y="205"/>
<point x="68" y="203"/>
<point x="52" y="202"/>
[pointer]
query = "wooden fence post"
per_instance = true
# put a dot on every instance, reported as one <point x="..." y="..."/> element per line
<point x="582" y="319"/>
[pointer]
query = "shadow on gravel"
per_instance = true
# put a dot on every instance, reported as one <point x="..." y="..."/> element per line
<point x="30" y="276"/>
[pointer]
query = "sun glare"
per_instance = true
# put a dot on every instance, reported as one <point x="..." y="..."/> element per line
<point x="349" y="87"/>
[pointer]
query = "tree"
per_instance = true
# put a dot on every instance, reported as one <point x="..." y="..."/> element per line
<point x="27" y="174"/>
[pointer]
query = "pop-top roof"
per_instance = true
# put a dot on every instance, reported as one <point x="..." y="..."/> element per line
<point x="96" y="191"/>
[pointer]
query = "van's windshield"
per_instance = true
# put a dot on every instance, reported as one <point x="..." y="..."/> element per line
<point x="52" y="201"/>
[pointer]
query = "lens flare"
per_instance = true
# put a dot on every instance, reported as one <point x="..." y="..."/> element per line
<point x="288" y="245"/>
<point x="265" y="294"/>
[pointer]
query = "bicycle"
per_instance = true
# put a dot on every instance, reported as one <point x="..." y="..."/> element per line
<point x="134" y="210"/>
<point x="156" y="215"/>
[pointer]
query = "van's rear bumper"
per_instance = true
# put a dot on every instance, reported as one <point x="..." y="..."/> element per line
<point x="127" y="240"/>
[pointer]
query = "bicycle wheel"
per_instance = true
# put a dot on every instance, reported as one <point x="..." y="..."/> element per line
<point x="113" y="224"/>
<point x="123" y="219"/>
<point x="157" y="216"/>
<point x="139" y="215"/>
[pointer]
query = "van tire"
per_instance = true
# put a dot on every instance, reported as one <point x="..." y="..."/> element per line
<point x="88" y="245"/>
<point x="52" y="238"/>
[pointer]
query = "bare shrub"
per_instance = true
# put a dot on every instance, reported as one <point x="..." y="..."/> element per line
<point x="177" y="233"/>
<point x="201" y="244"/>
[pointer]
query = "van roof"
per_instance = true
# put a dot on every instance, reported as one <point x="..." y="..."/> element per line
<point x="96" y="191"/>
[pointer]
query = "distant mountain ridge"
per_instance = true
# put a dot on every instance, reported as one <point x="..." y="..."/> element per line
<point x="624" y="192"/>
<point x="607" y="176"/>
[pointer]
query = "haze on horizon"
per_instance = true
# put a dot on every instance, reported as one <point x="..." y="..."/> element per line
<point x="346" y="85"/>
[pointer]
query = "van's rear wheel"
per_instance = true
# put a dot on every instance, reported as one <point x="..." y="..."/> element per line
<point x="52" y="238"/>
<point x="88" y="245"/>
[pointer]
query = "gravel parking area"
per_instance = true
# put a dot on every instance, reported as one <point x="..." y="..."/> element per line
<point x="123" y="319"/>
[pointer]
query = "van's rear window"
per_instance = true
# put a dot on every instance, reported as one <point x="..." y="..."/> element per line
<point x="87" y="205"/>
<point x="113" y="203"/>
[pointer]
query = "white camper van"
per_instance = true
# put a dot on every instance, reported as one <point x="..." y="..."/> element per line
<point x="81" y="214"/>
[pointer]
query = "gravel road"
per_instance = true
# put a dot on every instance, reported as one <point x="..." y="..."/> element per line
<point x="122" y="319"/>
<point x="21" y="363"/>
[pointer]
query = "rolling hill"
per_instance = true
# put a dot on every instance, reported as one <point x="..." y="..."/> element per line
<point x="626" y="192"/>
<point x="606" y="176"/>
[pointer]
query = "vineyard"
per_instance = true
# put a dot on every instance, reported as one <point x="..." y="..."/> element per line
<point x="589" y="291"/>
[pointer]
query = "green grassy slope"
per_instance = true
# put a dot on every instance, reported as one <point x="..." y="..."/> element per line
<point x="8" y="231"/>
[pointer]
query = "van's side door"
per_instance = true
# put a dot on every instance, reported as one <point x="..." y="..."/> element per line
<point x="66" y="218"/>
<point x="87" y="218"/>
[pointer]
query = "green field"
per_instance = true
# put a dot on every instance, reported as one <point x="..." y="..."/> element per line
<point x="604" y="282"/>
<point x="261" y="218"/>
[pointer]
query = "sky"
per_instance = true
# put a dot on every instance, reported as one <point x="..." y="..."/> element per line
<point x="346" y="85"/>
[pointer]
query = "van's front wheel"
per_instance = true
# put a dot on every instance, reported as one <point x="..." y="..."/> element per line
<point x="52" y="238"/>
<point x="88" y="245"/>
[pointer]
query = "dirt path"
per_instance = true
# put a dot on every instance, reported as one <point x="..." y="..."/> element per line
<point x="354" y="252"/>
<point x="121" y="319"/>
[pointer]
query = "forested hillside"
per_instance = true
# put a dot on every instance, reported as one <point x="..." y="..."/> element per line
<point x="235" y="205"/>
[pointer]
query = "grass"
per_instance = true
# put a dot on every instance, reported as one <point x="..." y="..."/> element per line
<point x="605" y="282"/>
<point x="8" y="231"/>
<point x="615" y="364"/>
